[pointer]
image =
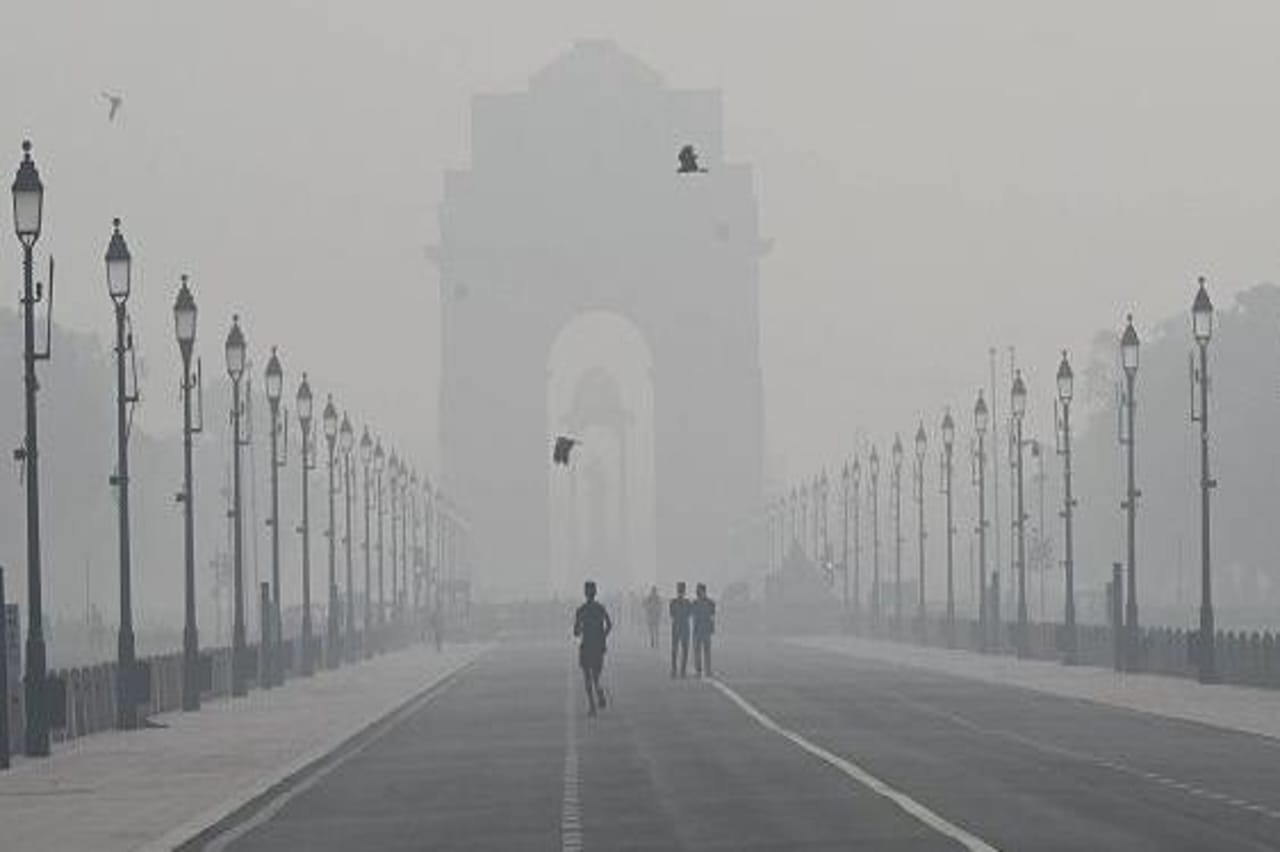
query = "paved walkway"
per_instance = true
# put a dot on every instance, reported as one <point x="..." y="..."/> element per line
<point x="154" y="788"/>
<point x="1237" y="708"/>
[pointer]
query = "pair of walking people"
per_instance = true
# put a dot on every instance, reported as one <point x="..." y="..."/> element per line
<point x="695" y="617"/>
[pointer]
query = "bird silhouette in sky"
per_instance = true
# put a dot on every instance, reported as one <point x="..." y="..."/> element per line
<point x="115" y="101"/>
<point x="689" y="161"/>
<point x="564" y="446"/>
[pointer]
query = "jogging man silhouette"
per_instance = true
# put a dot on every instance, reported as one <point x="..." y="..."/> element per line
<point x="703" y="610"/>
<point x="592" y="624"/>
<point x="653" y="614"/>
<point x="679" y="611"/>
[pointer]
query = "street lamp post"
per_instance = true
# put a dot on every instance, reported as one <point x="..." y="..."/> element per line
<point x="408" y="484"/>
<point x="416" y="570"/>
<point x="856" y="486"/>
<point x="275" y="643"/>
<point x="235" y="356"/>
<point x="379" y="463"/>
<point x="873" y="464"/>
<point x="393" y="491"/>
<point x="791" y="527"/>
<point x="981" y="417"/>
<point x="184" y="325"/>
<point x="948" y="446"/>
<point x="1018" y="405"/>
<point x="119" y="266"/>
<point x="822" y="547"/>
<point x="304" y="403"/>
<point x="897" y="534"/>
<point x="346" y="442"/>
<point x="332" y="655"/>
<point x="922" y="443"/>
<point x="1066" y="384"/>
<point x="1202" y="328"/>
<point x="28" y="208"/>
<point x="1129" y="362"/>
<point x="366" y="459"/>
<point x="846" y="486"/>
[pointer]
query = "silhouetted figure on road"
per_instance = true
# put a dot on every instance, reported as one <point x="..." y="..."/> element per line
<point x="592" y="625"/>
<point x="689" y="161"/>
<point x="653" y="614"/>
<point x="703" y="611"/>
<point x="680" y="612"/>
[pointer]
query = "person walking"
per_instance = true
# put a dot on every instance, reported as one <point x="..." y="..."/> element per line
<point x="653" y="614"/>
<point x="591" y="625"/>
<point x="679" y="611"/>
<point x="703" y="612"/>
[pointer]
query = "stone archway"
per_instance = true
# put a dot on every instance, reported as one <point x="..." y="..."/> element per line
<point x="572" y="205"/>
<point x="600" y="389"/>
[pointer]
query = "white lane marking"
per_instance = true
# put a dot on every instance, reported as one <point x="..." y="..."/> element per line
<point x="571" y="806"/>
<point x="1081" y="757"/>
<point x="862" y="776"/>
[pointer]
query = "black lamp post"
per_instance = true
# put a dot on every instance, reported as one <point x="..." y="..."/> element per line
<point x="948" y="447"/>
<point x="235" y="355"/>
<point x="184" y="327"/>
<point x="897" y="533"/>
<point x="28" y="210"/>
<point x="346" y="442"/>
<point x="1202" y="328"/>
<point x="846" y="492"/>
<point x="428" y="548"/>
<point x="119" y="268"/>
<point x="273" y="645"/>
<point x="981" y="418"/>
<point x="379" y="464"/>
<point x="873" y="464"/>
<point x="414" y="562"/>
<point x="329" y="421"/>
<point x="393" y="490"/>
<point x="407" y="480"/>
<point x="1018" y="405"/>
<point x="1066" y="387"/>
<point x="1129" y="362"/>
<point x="791" y="530"/>
<point x="856" y="487"/>
<point x="922" y="444"/>
<point x="822" y="547"/>
<point x="304" y="403"/>
<point x="366" y="459"/>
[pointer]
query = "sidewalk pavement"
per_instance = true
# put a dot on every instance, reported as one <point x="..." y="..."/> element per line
<point x="155" y="788"/>
<point x="1237" y="708"/>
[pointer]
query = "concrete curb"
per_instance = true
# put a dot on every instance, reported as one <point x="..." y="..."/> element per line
<point x="202" y="829"/>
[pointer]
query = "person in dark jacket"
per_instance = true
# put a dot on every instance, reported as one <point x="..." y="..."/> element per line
<point x="592" y="625"/>
<point x="680" y="613"/>
<point x="703" y="612"/>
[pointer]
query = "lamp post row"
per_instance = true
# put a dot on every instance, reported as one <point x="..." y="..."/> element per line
<point x="28" y="207"/>
<point x="1129" y="645"/>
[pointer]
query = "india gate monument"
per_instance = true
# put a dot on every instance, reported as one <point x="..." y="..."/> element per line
<point x="590" y="290"/>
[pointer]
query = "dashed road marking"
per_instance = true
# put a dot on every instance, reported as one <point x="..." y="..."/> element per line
<point x="863" y="777"/>
<point x="571" y="805"/>
<point x="1081" y="757"/>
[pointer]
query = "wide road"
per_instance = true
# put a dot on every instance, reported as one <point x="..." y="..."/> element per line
<point x="788" y="749"/>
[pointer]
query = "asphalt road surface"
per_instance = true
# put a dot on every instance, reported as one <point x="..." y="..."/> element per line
<point x="789" y="749"/>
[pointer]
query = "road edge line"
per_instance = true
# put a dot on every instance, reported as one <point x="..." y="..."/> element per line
<point x="857" y="773"/>
<point x="232" y="818"/>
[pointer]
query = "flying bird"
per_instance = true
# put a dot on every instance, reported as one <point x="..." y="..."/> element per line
<point x="564" y="446"/>
<point x="689" y="161"/>
<point x="115" y="101"/>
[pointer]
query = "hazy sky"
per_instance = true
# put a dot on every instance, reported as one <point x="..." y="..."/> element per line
<point x="938" y="177"/>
